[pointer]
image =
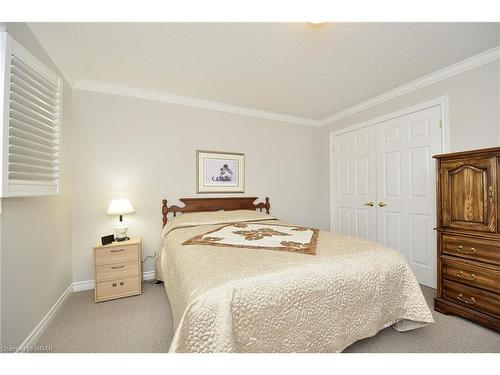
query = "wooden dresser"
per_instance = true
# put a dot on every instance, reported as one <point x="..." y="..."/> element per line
<point x="468" y="240"/>
<point x="117" y="269"/>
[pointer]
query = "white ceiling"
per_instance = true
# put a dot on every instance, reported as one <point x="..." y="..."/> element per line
<point x="288" y="68"/>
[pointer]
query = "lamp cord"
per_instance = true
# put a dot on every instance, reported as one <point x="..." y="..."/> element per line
<point x="153" y="281"/>
<point x="150" y="256"/>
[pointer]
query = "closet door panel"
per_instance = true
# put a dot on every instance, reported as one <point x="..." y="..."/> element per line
<point x="354" y="184"/>
<point x="406" y="190"/>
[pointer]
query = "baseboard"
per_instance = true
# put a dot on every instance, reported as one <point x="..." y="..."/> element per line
<point x="78" y="286"/>
<point x="32" y="338"/>
<point x="150" y="275"/>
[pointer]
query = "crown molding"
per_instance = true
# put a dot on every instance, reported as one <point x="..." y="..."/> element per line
<point x="450" y="71"/>
<point x="46" y="42"/>
<point x="473" y="62"/>
<point x="109" y="88"/>
<point x="105" y="87"/>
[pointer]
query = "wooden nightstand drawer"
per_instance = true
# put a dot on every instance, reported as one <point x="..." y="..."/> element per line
<point x="115" y="271"/>
<point x="118" y="288"/>
<point x="115" y="254"/>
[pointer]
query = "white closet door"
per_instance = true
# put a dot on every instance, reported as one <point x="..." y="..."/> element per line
<point x="406" y="204"/>
<point x="354" y="161"/>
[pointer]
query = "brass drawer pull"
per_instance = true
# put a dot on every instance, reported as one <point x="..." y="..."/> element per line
<point x="114" y="284"/>
<point x="117" y="251"/>
<point x="461" y="275"/>
<point x="121" y="283"/>
<point x="117" y="267"/>
<point x="463" y="250"/>
<point x="471" y="300"/>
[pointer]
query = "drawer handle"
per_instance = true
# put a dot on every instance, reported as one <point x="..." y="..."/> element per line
<point x="471" y="300"/>
<point x="116" y="251"/>
<point x="121" y="283"/>
<point x="461" y="275"/>
<point x="114" y="284"/>
<point x="117" y="267"/>
<point x="463" y="250"/>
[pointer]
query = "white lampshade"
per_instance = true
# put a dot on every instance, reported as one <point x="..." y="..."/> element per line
<point x="120" y="207"/>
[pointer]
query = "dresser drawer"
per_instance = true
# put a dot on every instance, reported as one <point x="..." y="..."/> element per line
<point x="471" y="274"/>
<point x="113" y="271"/>
<point x="116" y="254"/>
<point x="473" y="298"/>
<point x="118" y="288"/>
<point x="471" y="248"/>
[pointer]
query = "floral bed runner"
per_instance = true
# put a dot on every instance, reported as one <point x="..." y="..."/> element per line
<point x="245" y="235"/>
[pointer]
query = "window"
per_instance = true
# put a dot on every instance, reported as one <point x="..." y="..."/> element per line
<point x="30" y="113"/>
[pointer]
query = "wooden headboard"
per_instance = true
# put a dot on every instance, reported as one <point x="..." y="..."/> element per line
<point x="214" y="204"/>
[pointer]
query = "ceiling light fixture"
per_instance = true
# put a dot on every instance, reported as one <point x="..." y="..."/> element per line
<point x="316" y="24"/>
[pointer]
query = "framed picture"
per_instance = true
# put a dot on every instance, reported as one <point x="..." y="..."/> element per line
<point x="220" y="172"/>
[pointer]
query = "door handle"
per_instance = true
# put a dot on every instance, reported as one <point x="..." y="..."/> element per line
<point x="382" y="204"/>
<point x="371" y="204"/>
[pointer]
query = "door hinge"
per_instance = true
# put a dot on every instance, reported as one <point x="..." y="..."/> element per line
<point x="440" y="124"/>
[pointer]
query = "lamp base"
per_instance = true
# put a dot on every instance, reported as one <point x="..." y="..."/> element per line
<point x="121" y="232"/>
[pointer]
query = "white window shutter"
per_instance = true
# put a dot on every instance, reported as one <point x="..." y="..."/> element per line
<point x="31" y="123"/>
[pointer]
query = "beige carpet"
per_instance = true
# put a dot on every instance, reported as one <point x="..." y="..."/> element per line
<point x="144" y="324"/>
<point x="136" y="324"/>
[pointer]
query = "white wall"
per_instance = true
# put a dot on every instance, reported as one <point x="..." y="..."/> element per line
<point x="474" y="118"/>
<point x="146" y="151"/>
<point x="35" y="236"/>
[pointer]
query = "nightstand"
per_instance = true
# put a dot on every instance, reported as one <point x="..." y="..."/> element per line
<point x="117" y="270"/>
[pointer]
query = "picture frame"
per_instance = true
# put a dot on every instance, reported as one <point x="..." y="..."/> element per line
<point x="220" y="172"/>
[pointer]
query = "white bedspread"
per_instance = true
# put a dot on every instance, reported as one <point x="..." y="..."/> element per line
<point x="227" y="299"/>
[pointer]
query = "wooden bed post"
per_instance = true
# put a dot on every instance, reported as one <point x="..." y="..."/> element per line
<point x="164" y="211"/>
<point x="268" y="206"/>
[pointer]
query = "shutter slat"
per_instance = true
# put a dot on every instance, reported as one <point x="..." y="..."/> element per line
<point x="32" y="137"/>
<point x="23" y="159"/>
<point x="34" y="75"/>
<point x="25" y="85"/>
<point x="32" y="176"/>
<point x="33" y="82"/>
<point x="31" y="145"/>
<point x="29" y="96"/>
<point x="24" y="151"/>
<point x="19" y="167"/>
<point x="15" y="97"/>
<point x="31" y="129"/>
<point x="31" y="113"/>
<point x="28" y="120"/>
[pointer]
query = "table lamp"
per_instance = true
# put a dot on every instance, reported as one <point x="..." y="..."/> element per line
<point x="120" y="207"/>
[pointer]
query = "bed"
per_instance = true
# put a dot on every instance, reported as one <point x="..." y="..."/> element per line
<point x="240" y="280"/>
